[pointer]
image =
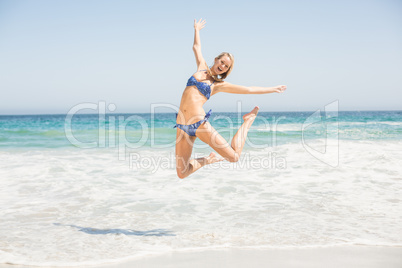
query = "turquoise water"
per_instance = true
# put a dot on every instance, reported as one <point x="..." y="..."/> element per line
<point x="304" y="180"/>
<point x="270" y="128"/>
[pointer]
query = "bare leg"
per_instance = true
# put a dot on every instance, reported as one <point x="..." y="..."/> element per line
<point x="198" y="163"/>
<point x="184" y="146"/>
<point x="232" y="152"/>
<point x="239" y="138"/>
<point x="184" y="165"/>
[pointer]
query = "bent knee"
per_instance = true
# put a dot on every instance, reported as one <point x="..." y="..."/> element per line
<point x="181" y="174"/>
<point x="233" y="159"/>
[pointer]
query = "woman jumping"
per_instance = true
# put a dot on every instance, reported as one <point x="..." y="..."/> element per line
<point x="192" y="122"/>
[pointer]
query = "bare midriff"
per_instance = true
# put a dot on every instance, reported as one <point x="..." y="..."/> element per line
<point x="191" y="110"/>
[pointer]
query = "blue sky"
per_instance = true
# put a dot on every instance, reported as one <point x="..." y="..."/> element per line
<point x="57" y="54"/>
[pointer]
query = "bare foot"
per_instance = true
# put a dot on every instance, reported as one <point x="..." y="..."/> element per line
<point x="212" y="158"/>
<point x="251" y="115"/>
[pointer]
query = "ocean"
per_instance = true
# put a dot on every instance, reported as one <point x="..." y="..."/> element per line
<point x="90" y="189"/>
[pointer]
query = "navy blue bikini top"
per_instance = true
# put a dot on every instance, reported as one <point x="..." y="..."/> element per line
<point x="203" y="87"/>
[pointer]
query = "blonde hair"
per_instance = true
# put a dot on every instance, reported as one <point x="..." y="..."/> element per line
<point x="220" y="77"/>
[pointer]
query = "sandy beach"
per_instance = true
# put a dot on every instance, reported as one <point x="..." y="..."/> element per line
<point x="338" y="256"/>
<point x="343" y="256"/>
<point x="110" y="118"/>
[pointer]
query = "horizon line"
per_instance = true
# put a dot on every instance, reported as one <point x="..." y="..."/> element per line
<point x="109" y="113"/>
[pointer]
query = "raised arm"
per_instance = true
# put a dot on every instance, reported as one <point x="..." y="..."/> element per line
<point x="201" y="64"/>
<point x="236" y="89"/>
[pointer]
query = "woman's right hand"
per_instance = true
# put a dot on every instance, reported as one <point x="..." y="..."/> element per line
<point x="199" y="25"/>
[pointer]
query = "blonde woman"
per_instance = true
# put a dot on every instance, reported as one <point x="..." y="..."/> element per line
<point x="192" y="122"/>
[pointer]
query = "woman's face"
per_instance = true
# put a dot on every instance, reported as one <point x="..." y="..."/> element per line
<point x="221" y="65"/>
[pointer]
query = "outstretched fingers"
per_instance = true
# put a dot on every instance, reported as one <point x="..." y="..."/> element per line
<point x="280" y="88"/>
<point x="200" y="24"/>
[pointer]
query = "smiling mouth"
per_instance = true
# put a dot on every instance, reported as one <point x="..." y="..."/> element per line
<point x="219" y="69"/>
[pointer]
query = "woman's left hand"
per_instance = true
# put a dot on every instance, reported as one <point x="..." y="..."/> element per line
<point x="280" y="88"/>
